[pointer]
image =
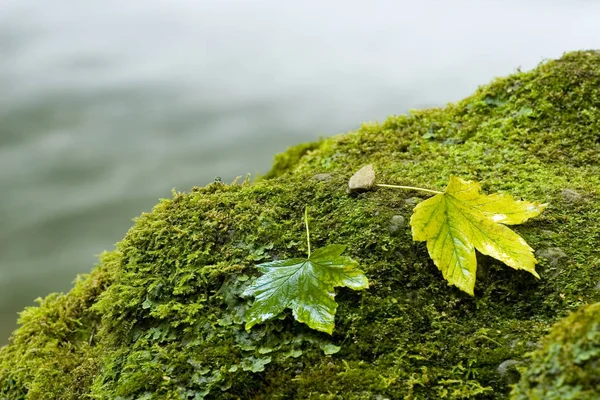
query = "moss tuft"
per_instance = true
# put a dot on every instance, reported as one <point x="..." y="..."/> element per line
<point x="161" y="316"/>
<point x="567" y="366"/>
<point x="286" y="161"/>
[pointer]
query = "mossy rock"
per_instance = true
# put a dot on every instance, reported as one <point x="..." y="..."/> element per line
<point x="567" y="367"/>
<point x="161" y="317"/>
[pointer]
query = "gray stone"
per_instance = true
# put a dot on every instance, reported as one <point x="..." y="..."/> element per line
<point x="552" y="254"/>
<point x="322" y="177"/>
<point x="508" y="371"/>
<point x="397" y="222"/>
<point x="570" y="195"/>
<point x="413" y="201"/>
<point x="362" y="180"/>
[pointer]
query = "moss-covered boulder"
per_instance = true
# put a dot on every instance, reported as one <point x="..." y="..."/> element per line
<point x="161" y="317"/>
<point x="567" y="366"/>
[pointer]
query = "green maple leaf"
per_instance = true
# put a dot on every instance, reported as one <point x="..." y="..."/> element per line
<point x="305" y="285"/>
<point x="461" y="219"/>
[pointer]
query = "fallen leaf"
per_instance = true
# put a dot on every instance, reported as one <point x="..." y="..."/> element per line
<point x="305" y="285"/>
<point x="461" y="219"/>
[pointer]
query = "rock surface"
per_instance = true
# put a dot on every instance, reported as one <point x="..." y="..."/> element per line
<point x="161" y="316"/>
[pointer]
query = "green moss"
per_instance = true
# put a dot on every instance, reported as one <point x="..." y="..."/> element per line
<point x="567" y="367"/>
<point x="285" y="162"/>
<point x="161" y="316"/>
<point x="54" y="353"/>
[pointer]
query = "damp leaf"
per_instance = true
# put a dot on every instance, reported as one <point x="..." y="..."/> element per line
<point x="461" y="219"/>
<point x="306" y="286"/>
<point x="329" y="348"/>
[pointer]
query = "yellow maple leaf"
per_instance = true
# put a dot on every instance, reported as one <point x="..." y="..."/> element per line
<point x="461" y="219"/>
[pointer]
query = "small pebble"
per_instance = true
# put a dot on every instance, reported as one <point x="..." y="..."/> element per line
<point x="508" y="371"/>
<point x="413" y="201"/>
<point x="552" y="254"/>
<point x="362" y="180"/>
<point x="322" y="177"/>
<point x="570" y="195"/>
<point x="397" y="222"/>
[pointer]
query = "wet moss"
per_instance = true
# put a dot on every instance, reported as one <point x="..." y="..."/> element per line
<point x="161" y="316"/>
<point x="54" y="352"/>
<point x="567" y="366"/>
<point x="287" y="160"/>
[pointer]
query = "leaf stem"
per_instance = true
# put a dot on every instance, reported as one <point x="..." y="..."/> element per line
<point x="408" y="188"/>
<point x="307" y="231"/>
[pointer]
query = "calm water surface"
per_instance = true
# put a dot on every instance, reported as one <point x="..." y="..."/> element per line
<point x="105" y="106"/>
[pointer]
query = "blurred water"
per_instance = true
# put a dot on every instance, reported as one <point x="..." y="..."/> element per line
<point x="105" y="106"/>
